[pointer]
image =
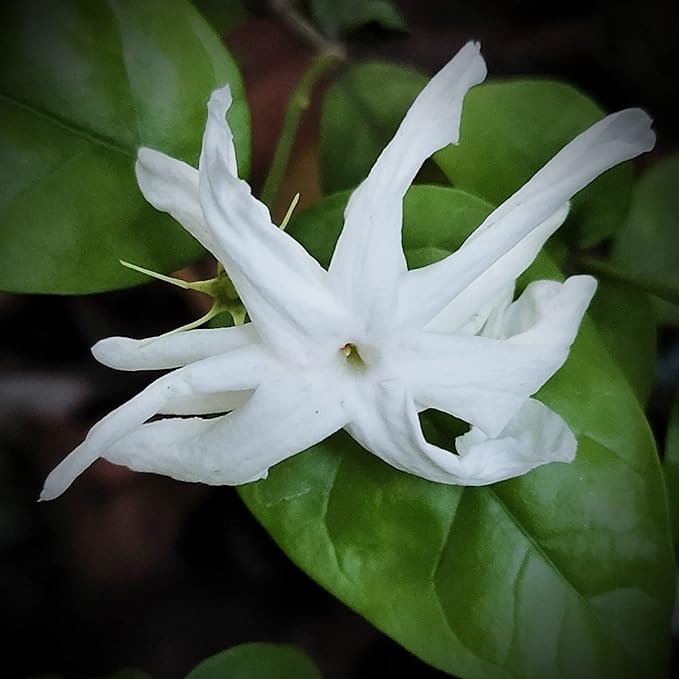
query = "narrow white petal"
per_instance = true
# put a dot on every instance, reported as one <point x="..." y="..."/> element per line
<point x="171" y="186"/>
<point x="282" y="418"/>
<point x="479" y="299"/>
<point x="171" y="351"/>
<point x="387" y="425"/>
<point x="369" y="257"/>
<point x="283" y="288"/>
<point x="611" y="141"/>
<point x="546" y="313"/>
<point x="241" y="369"/>
<point x="480" y="380"/>
<point x="486" y="380"/>
<point x="207" y="404"/>
<point x="535" y="436"/>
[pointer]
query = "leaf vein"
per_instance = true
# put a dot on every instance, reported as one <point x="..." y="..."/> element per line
<point x="90" y="135"/>
<point x="44" y="176"/>
<point x="444" y="543"/>
<point x="558" y="571"/>
<point x="126" y="68"/>
<point x="324" y="520"/>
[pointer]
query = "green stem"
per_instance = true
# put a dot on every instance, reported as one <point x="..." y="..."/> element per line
<point x="650" y="285"/>
<point x="299" y="102"/>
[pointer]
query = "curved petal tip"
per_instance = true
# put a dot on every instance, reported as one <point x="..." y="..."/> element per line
<point x="57" y="483"/>
<point x="107" y="350"/>
<point x="220" y="100"/>
<point x="635" y="127"/>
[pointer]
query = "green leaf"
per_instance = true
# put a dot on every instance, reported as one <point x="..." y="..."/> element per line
<point x="625" y="319"/>
<point x="361" y="112"/>
<point x="257" y="661"/>
<point x="511" y="129"/>
<point x="224" y="15"/>
<point x="564" y="572"/>
<point x="672" y="468"/>
<point x="336" y="18"/>
<point x="82" y="86"/>
<point x="648" y="243"/>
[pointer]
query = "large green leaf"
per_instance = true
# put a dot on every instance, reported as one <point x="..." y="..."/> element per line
<point x="361" y="111"/>
<point x="224" y="15"/>
<point x="626" y="321"/>
<point x="564" y="572"/>
<point x="257" y="661"/>
<point x="83" y="84"/>
<point x="511" y="129"/>
<point x="335" y="18"/>
<point x="649" y="241"/>
<point x="672" y="468"/>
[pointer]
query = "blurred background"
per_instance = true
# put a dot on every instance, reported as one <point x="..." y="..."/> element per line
<point x="137" y="570"/>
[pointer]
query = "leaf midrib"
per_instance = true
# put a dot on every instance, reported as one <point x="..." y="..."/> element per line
<point x="76" y="130"/>
<point x="555" y="568"/>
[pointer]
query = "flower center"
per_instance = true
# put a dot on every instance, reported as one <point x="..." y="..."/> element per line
<point x="353" y="357"/>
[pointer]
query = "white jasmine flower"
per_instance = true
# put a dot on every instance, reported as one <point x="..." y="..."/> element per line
<point x="366" y="344"/>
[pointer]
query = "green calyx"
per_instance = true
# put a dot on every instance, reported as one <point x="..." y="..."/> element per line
<point x="220" y="288"/>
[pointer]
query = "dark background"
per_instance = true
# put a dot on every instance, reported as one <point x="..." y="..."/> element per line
<point x="136" y="570"/>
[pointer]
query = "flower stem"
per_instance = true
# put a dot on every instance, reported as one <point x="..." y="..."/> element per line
<point x="299" y="102"/>
<point x="652" y="286"/>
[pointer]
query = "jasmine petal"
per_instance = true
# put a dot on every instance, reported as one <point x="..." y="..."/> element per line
<point x="611" y="141"/>
<point x="172" y="186"/>
<point x="368" y="259"/>
<point x="207" y="404"/>
<point x="238" y="370"/>
<point x="172" y="351"/>
<point x="481" y="296"/>
<point x="534" y="436"/>
<point x="548" y="313"/>
<point x="282" y="287"/>
<point x="388" y="426"/>
<point x="289" y="414"/>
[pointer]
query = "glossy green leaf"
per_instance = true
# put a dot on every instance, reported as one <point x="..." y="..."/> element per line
<point x="257" y="661"/>
<point x="565" y="572"/>
<point x="672" y="468"/>
<point x="361" y="112"/>
<point x="511" y="129"/>
<point x="626" y="322"/>
<point x="83" y="84"/>
<point x="648" y="243"/>
<point x="224" y="15"/>
<point x="335" y="18"/>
